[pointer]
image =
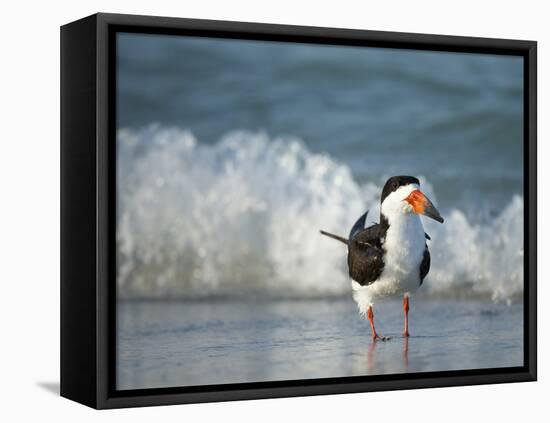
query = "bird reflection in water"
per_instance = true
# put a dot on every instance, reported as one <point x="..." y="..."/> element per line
<point x="371" y="357"/>
<point x="405" y="353"/>
<point x="373" y="367"/>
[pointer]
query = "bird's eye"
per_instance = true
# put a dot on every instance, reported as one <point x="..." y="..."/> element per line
<point x="395" y="185"/>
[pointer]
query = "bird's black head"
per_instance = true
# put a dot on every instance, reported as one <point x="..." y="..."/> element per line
<point x="395" y="182"/>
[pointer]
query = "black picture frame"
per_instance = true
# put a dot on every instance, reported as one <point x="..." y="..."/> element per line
<point x="88" y="200"/>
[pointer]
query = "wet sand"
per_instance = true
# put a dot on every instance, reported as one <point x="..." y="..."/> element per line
<point x="167" y="344"/>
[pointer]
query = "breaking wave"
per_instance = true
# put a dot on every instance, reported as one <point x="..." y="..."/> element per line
<point x="241" y="218"/>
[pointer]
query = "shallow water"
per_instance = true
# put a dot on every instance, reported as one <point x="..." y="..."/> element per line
<point x="166" y="344"/>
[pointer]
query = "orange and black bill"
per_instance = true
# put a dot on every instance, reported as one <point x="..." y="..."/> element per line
<point x="422" y="205"/>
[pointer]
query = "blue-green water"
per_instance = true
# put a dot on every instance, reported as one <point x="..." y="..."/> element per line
<point x="456" y="119"/>
<point x="233" y="154"/>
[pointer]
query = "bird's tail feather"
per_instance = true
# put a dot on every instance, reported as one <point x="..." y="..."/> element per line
<point x="336" y="237"/>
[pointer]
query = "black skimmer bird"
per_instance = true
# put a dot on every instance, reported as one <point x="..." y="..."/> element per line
<point x="390" y="257"/>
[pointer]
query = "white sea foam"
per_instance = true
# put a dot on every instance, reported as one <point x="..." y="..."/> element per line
<point x="242" y="217"/>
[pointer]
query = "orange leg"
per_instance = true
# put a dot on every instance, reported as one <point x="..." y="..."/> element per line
<point x="406" y="310"/>
<point x="370" y="316"/>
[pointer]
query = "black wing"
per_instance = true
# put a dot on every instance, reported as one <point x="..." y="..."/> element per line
<point x="365" y="255"/>
<point x="425" y="265"/>
<point x="359" y="226"/>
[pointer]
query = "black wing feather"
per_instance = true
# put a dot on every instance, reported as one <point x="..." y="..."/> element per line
<point x="358" y="226"/>
<point x="365" y="255"/>
<point x="425" y="265"/>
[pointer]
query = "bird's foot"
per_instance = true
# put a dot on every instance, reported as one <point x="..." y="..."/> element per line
<point x="380" y="338"/>
<point x="406" y="334"/>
